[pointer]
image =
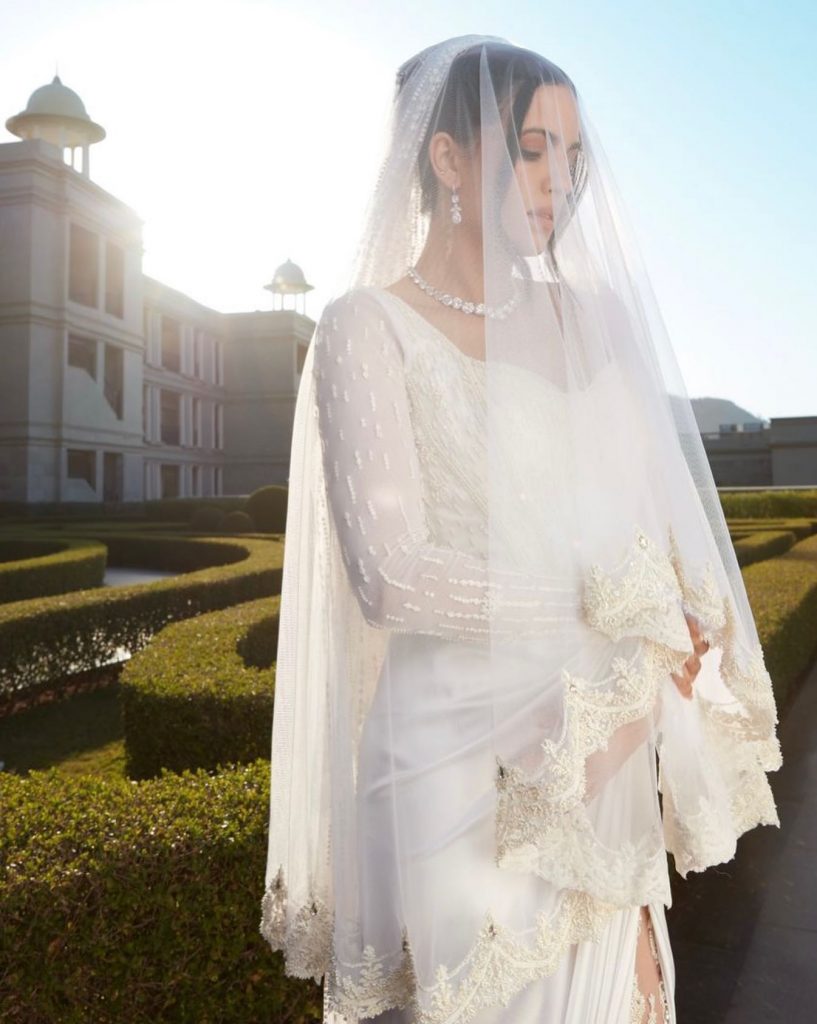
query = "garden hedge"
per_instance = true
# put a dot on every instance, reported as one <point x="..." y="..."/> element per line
<point x="44" y="638"/>
<point x="782" y="593"/>
<point x="202" y="691"/>
<point x="757" y="547"/>
<point x="768" y="504"/>
<point x="137" y="903"/>
<point x="268" y="508"/>
<point x="34" y="564"/>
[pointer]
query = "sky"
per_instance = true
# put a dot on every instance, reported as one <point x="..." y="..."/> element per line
<point x="245" y="132"/>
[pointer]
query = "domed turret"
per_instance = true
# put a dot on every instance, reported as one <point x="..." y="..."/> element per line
<point x="57" y="115"/>
<point x="288" y="279"/>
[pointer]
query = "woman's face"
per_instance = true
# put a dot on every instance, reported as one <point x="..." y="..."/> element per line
<point x="549" y="142"/>
<point x="548" y="146"/>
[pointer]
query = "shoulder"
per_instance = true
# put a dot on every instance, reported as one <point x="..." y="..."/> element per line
<point x="362" y="316"/>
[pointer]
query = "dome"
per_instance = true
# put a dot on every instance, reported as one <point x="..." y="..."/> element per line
<point x="53" y="107"/>
<point x="56" y="98"/>
<point x="288" y="279"/>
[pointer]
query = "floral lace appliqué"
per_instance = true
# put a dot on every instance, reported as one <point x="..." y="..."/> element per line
<point x="499" y="965"/>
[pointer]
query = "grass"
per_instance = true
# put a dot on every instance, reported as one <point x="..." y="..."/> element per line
<point x="82" y="734"/>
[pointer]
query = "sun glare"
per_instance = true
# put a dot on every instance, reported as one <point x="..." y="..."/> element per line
<point x="241" y="134"/>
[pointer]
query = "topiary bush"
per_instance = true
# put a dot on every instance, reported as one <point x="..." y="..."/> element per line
<point x="202" y="691"/>
<point x="268" y="508"/>
<point x="237" y="522"/>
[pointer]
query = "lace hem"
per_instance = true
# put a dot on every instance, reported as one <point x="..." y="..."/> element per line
<point x="499" y="965"/>
<point x="740" y="736"/>
<point x="542" y="824"/>
<point x="307" y="942"/>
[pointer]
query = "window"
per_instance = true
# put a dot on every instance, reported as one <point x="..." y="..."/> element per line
<point x="114" y="280"/>
<point x="217" y="480"/>
<point x="219" y="360"/>
<point x="170" y="406"/>
<point x="198" y="344"/>
<point x="170" y="481"/>
<point x="112" y="476"/>
<point x="196" y="481"/>
<point x="82" y="354"/>
<point x="82" y="465"/>
<point x="83" y="266"/>
<point x="196" y="422"/>
<point x="218" y="424"/>
<point x="145" y="400"/>
<point x="171" y="344"/>
<point x="114" y="378"/>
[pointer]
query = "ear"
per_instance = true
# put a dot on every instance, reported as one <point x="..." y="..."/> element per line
<point x="443" y="155"/>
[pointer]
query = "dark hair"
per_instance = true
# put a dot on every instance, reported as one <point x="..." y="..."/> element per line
<point x="515" y="73"/>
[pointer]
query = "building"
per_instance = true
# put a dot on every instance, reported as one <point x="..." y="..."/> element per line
<point x="115" y="387"/>
<point x="781" y="454"/>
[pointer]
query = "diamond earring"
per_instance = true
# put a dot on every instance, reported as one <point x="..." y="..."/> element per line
<point x="456" y="209"/>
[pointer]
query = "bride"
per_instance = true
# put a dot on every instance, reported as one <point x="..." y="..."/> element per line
<point x="516" y="661"/>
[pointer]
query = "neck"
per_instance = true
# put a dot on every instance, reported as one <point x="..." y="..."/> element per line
<point x="451" y="260"/>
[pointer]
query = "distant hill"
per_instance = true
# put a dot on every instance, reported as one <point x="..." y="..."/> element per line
<point x="711" y="412"/>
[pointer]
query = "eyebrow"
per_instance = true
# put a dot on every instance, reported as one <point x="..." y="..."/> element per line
<point x="553" y="135"/>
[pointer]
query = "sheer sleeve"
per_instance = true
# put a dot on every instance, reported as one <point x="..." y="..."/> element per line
<point x="401" y="579"/>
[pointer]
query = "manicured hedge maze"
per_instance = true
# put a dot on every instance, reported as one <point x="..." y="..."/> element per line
<point x="38" y="565"/>
<point x="40" y="637"/>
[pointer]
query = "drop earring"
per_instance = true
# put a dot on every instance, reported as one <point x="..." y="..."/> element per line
<point x="456" y="209"/>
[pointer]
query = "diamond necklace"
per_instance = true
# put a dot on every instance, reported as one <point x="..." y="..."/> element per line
<point x="478" y="308"/>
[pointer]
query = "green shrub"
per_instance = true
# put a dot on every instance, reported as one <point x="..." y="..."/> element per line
<point x="768" y="504"/>
<point x="782" y="593"/>
<point x="237" y="522"/>
<point x="208" y="519"/>
<point x="180" y="510"/>
<point x="202" y="691"/>
<point x="137" y="903"/>
<point x="36" y="564"/>
<point x="268" y="508"/>
<point x="42" y="639"/>
<point x="756" y="547"/>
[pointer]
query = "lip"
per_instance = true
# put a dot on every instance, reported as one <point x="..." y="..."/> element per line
<point x="541" y="214"/>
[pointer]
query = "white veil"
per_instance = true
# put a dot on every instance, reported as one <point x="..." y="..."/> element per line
<point x="489" y="556"/>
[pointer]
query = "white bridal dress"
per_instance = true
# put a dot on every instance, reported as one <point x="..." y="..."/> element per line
<point x="426" y="800"/>
<point x="480" y="761"/>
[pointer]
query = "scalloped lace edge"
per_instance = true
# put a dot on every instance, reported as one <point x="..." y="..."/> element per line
<point x="498" y="966"/>
<point x="542" y="823"/>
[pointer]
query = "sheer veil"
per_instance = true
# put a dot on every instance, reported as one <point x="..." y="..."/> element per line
<point x="500" y="520"/>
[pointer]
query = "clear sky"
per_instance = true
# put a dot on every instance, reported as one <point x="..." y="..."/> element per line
<point x="243" y="132"/>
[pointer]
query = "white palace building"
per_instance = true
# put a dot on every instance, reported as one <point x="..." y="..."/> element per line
<point x="117" y="388"/>
<point x="113" y="386"/>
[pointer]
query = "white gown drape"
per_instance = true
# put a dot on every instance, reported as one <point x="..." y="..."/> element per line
<point x="426" y="799"/>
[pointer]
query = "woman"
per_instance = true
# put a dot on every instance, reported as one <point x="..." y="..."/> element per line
<point x="506" y="566"/>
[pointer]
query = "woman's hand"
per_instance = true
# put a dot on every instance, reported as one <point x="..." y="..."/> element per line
<point x="692" y="666"/>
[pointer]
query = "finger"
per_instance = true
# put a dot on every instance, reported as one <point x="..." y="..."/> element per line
<point x="694" y="625"/>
